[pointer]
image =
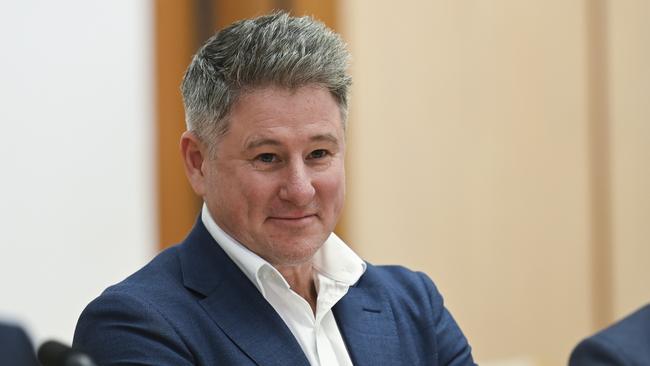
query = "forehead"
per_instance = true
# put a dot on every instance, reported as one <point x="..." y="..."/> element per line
<point x="275" y="112"/>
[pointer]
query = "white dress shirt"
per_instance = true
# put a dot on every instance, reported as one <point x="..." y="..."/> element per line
<point x="336" y="268"/>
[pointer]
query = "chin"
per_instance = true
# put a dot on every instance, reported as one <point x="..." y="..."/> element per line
<point x="293" y="252"/>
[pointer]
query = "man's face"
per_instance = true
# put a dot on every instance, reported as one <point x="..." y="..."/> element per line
<point x="277" y="182"/>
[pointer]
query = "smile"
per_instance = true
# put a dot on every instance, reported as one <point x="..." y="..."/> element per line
<point x="293" y="220"/>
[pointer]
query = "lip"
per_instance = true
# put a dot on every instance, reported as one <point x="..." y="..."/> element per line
<point x="293" y="219"/>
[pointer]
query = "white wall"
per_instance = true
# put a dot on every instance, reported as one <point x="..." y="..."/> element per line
<point x="76" y="160"/>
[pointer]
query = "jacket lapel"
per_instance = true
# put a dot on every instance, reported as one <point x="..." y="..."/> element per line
<point x="366" y="322"/>
<point x="234" y="303"/>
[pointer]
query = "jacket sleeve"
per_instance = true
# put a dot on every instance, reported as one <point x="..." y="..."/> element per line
<point x="119" y="329"/>
<point x="453" y="348"/>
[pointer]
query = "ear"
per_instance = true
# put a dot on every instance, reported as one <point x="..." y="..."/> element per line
<point x="194" y="153"/>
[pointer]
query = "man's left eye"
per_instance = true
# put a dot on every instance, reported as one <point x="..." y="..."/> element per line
<point x="318" y="154"/>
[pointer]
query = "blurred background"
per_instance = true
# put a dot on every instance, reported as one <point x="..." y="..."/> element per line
<point x="501" y="147"/>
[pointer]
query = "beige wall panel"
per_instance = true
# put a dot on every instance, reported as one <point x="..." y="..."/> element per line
<point x="629" y="57"/>
<point x="468" y="160"/>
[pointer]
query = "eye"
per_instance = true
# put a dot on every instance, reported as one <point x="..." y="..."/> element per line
<point x="267" y="158"/>
<point x="318" y="154"/>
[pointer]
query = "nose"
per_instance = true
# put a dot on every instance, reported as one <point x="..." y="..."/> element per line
<point x="297" y="187"/>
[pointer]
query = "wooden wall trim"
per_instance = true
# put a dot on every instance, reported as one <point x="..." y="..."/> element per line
<point x="599" y="164"/>
<point x="325" y="11"/>
<point x="174" y="44"/>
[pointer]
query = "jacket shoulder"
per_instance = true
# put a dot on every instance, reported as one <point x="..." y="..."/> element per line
<point x="136" y="314"/>
<point x="420" y="313"/>
<point x="626" y="342"/>
<point x="402" y="282"/>
<point x="162" y="272"/>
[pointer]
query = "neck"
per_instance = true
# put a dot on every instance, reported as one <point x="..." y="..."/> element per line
<point x="300" y="278"/>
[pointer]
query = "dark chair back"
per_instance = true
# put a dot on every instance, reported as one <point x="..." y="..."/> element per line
<point x="15" y="347"/>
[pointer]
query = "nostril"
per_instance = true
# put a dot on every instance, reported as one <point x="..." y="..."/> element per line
<point x="298" y="192"/>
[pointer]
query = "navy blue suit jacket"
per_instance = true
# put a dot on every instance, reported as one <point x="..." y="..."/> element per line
<point x="15" y="347"/>
<point x="626" y="343"/>
<point x="191" y="305"/>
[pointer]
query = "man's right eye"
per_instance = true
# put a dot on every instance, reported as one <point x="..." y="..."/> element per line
<point x="266" y="158"/>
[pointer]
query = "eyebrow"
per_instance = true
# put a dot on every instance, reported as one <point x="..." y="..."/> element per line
<point x="255" y="143"/>
<point x="261" y="142"/>
<point x="328" y="137"/>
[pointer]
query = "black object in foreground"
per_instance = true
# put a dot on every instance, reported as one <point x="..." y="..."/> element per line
<point x="53" y="353"/>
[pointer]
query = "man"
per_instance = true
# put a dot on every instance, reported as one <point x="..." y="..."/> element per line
<point x="261" y="279"/>
<point x="625" y="343"/>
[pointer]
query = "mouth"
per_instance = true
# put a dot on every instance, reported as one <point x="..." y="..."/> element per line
<point x="293" y="219"/>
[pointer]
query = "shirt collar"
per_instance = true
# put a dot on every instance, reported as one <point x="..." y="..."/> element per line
<point x="334" y="259"/>
<point x="248" y="262"/>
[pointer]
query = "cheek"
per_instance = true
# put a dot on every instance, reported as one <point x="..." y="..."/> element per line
<point x="332" y="190"/>
<point x="257" y="193"/>
<point x="229" y="193"/>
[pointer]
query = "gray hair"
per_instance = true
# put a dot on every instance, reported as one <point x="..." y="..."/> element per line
<point x="271" y="50"/>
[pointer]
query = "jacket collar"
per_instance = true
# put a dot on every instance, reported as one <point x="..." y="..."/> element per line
<point x="364" y="315"/>
<point x="231" y="300"/>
